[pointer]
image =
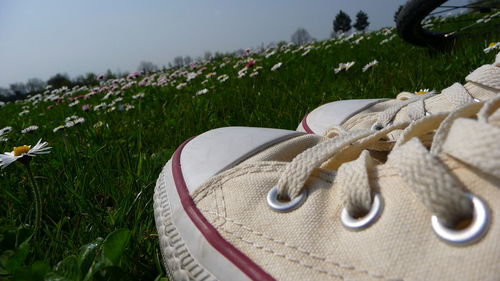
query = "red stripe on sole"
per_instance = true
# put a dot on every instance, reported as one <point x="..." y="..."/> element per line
<point x="240" y="260"/>
<point x="305" y="126"/>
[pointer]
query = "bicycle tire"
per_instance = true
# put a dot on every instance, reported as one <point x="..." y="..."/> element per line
<point x="409" y="25"/>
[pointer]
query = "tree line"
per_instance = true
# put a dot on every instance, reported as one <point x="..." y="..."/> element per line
<point x="341" y="24"/>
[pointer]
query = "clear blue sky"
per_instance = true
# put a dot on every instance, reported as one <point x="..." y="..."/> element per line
<point x="39" y="38"/>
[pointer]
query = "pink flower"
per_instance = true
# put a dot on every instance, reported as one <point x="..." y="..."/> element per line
<point x="86" y="107"/>
<point x="250" y="63"/>
<point x="133" y="75"/>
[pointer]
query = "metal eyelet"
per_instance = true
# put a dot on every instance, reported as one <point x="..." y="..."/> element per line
<point x="473" y="232"/>
<point x="376" y="127"/>
<point x="357" y="224"/>
<point x="282" y="206"/>
<point x="476" y="100"/>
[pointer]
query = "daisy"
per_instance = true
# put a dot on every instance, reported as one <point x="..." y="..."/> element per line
<point x="223" y="78"/>
<point x="202" y="92"/>
<point x="210" y="74"/>
<point x="242" y="72"/>
<point x="60" y="127"/>
<point x="422" y="92"/>
<point x="191" y="76"/>
<point x="344" y="66"/>
<point x="5" y="130"/>
<point x="98" y="124"/>
<point x="21" y="151"/>
<point x="24" y="112"/>
<point x="138" y="96"/>
<point x="29" y="129"/>
<point x="276" y="66"/>
<point x="180" y="86"/>
<point x="369" y="65"/>
<point x="492" y="46"/>
<point x="100" y="106"/>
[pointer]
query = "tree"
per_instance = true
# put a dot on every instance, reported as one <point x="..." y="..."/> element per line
<point x="187" y="60"/>
<point x="361" y="21"/>
<point x="208" y="55"/>
<point x="178" y="61"/>
<point x="59" y="80"/>
<point x="88" y="79"/>
<point x="396" y="14"/>
<point x="19" y="89"/>
<point x="342" y="22"/>
<point x="301" y="37"/>
<point x="147" y="66"/>
<point x="35" y="85"/>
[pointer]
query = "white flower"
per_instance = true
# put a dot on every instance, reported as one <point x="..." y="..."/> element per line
<point x="422" y="92"/>
<point x="100" y="106"/>
<point x="24" y="112"/>
<point x="129" y="107"/>
<point x="29" y="129"/>
<point x="138" y="96"/>
<point x="72" y="117"/>
<point x="369" y="65"/>
<point x="98" y="124"/>
<point x="21" y="151"/>
<point x="74" y="122"/>
<point x="180" y="86"/>
<point x="201" y="92"/>
<point x="74" y="103"/>
<point x="60" y="127"/>
<point x="344" y="66"/>
<point x="3" y="132"/>
<point x="253" y="74"/>
<point x="492" y="46"/>
<point x="191" y="76"/>
<point x="276" y="66"/>
<point x="306" y="52"/>
<point x="270" y="54"/>
<point x="242" y="72"/>
<point x="223" y="78"/>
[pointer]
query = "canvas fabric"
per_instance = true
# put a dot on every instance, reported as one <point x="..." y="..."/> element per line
<point x="310" y="243"/>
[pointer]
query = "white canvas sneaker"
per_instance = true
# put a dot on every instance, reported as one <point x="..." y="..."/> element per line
<point x="356" y="114"/>
<point x="264" y="204"/>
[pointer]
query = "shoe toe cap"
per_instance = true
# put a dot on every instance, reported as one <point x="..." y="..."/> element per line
<point x="214" y="151"/>
<point x="335" y="113"/>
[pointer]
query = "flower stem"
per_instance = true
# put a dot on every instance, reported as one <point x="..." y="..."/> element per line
<point x="38" y="201"/>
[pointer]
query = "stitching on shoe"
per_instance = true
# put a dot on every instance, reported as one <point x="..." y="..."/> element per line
<point x="271" y="251"/>
<point x="295" y="248"/>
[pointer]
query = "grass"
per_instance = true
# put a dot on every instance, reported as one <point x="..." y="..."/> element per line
<point x="99" y="182"/>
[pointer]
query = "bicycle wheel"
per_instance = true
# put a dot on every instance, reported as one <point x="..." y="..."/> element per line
<point x="438" y="23"/>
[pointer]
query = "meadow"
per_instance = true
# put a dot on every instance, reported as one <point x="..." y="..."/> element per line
<point x="110" y="142"/>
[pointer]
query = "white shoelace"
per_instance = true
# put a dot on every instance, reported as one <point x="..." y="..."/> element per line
<point x="474" y="142"/>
